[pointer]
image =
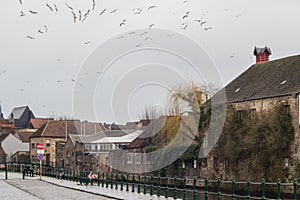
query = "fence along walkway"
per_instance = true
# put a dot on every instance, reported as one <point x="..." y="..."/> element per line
<point x="174" y="187"/>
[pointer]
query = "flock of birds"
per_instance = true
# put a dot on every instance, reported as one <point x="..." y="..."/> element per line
<point x="79" y="15"/>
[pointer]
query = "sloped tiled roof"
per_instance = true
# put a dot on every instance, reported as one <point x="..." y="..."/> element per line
<point x="61" y="128"/>
<point x="38" y="122"/>
<point x="24" y="136"/>
<point x="270" y="79"/>
<point x="2" y="152"/>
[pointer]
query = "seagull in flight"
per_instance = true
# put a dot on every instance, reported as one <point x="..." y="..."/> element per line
<point x="186" y="15"/>
<point x="40" y="31"/>
<point x="33" y="12"/>
<point x="123" y="22"/>
<point x="79" y="15"/>
<point x="94" y="4"/>
<point x="56" y="9"/>
<point x="137" y="11"/>
<point x="69" y="6"/>
<point x="74" y="17"/>
<point x="151" y="25"/>
<point x="151" y="7"/>
<point x="88" y="42"/>
<point x="22" y="14"/>
<point x="49" y="7"/>
<point x="203" y="23"/>
<point x="207" y="28"/>
<point x="113" y="11"/>
<point x="46" y="28"/>
<point x="20" y="1"/>
<point x="30" y="37"/>
<point x="103" y="11"/>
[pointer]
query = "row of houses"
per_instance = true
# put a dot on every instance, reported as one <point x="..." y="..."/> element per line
<point x="76" y="145"/>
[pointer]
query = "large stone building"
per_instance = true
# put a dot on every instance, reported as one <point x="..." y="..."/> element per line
<point x="256" y="91"/>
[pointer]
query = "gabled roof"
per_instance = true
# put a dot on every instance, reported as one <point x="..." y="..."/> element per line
<point x="259" y="51"/>
<point x="17" y="112"/>
<point x="38" y="122"/>
<point x="60" y="129"/>
<point x="2" y="152"/>
<point x="24" y="136"/>
<point x="270" y="79"/>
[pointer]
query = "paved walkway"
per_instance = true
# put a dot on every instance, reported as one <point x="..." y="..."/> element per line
<point x="31" y="188"/>
<point x="50" y="188"/>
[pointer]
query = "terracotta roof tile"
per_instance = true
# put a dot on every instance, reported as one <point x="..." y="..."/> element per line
<point x="61" y="128"/>
<point x="38" y="122"/>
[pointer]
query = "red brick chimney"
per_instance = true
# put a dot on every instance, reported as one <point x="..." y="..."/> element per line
<point x="262" y="54"/>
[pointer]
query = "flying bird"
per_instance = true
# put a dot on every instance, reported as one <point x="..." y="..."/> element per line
<point x="20" y="1"/>
<point x="99" y="73"/>
<point x="184" y="26"/>
<point x="46" y="28"/>
<point x="40" y="31"/>
<point x="151" y="7"/>
<point x="137" y="10"/>
<point x="22" y="14"/>
<point x="203" y="23"/>
<point x="186" y="15"/>
<point x="69" y="6"/>
<point x="87" y="13"/>
<point x="79" y="15"/>
<point x="103" y="11"/>
<point x="33" y="12"/>
<point x="208" y="28"/>
<point x="30" y="37"/>
<point x="94" y="4"/>
<point x="88" y="42"/>
<point x="113" y="11"/>
<point x="144" y="33"/>
<point x="49" y="7"/>
<point x="151" y="25"/>
<point x="56" y="9"/>
<point x="73" y="80"/>
<point x="74" y="17"/>
<point x="123" y="22"/>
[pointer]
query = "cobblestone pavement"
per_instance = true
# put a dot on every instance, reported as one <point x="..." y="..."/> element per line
<point x="54" y="189"/>
<point x="16" y="188"/>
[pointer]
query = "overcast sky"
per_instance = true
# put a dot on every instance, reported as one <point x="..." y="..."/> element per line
<point x="108" y="67"/>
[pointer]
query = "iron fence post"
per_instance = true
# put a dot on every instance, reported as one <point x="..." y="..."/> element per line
<point x="195" y="188"/>
<point x="175" y="189"/>
<point x="139" y="185"/>
<point x="295" y="189"/>
<point x="263" y="189"/>
<point x="167" y="187"/>
<point x="127" y="189"/>
<point x="117" y="182"/>
<point x="219" y="188"/>
<point x="206" y="189"/>
<point x="233" y="189"/>
<point x="145" y="188"/>
<point x="278" y="189"/>
<point x="132" y="184"/>
<point x="158" y="185"/>
<point x="151" y="186"/>
<point x="248" y="189"/>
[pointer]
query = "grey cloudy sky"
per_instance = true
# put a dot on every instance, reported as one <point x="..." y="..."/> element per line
<point x="38" y="72"/>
